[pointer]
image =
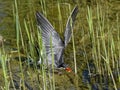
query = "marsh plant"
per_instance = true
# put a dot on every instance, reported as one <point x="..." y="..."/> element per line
<point x="104" y="50"/>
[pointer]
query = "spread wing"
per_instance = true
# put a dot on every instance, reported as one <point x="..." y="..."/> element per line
<point x="69" y="25"/>
<point x="49" y="36"/>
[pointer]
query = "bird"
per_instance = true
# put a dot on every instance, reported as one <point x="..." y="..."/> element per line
<point x="52" y="41"/>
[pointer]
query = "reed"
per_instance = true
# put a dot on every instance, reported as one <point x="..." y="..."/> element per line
<point x="30" y="51"/>
<point x="18" y="30"/>
<point x="103" y="50"/>
<point x="3" y="60"/>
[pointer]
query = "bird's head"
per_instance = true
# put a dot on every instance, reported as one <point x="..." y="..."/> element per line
<point x="68" y="69"/>
<point x="65" y="66"/>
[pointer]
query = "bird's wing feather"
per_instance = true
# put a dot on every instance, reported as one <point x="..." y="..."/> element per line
<point x="49" y="36"/>
<point x="69" y="25"/>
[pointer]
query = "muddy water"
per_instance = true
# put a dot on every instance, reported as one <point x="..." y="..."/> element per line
<point x="27" y="9"/>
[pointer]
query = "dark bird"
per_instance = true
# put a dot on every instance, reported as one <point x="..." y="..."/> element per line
<point x="52" y="41"/>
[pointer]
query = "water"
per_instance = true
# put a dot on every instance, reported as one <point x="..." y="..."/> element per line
<point x="87" y="78"/>
<point x="2" y="15"/>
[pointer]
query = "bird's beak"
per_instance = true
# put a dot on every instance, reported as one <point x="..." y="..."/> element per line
<point x="68" y="69"/>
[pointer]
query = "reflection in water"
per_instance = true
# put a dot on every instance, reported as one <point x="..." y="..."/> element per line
<point x="96" y="80"/>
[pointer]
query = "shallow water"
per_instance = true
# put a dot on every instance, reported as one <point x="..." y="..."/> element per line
<point x="86" y="78"/>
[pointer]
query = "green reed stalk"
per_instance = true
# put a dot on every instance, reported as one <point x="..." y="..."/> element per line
<point x="106" y="52"/>
<point x="3" y="59"/>
<point x="60" y="18"/>
<point x="53" y="65"/>
<point x="118" y="38"/>
<point x="43" y="6"/>
<point x="110" y="72"/>
<point x="100" y="38"/>
<point x="93" y="38"/>
<point x="111" y="54"/>
<point x="31" y="39"/>
<point x="73" y="41"/>
<point x="43" y="57"/>
<point x="18" y="29"/>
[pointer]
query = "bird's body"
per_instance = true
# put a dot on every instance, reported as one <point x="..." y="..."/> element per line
<point x="51" y="40"/>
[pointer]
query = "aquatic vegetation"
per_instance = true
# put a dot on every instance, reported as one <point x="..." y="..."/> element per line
<point x="93" y="53"/>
